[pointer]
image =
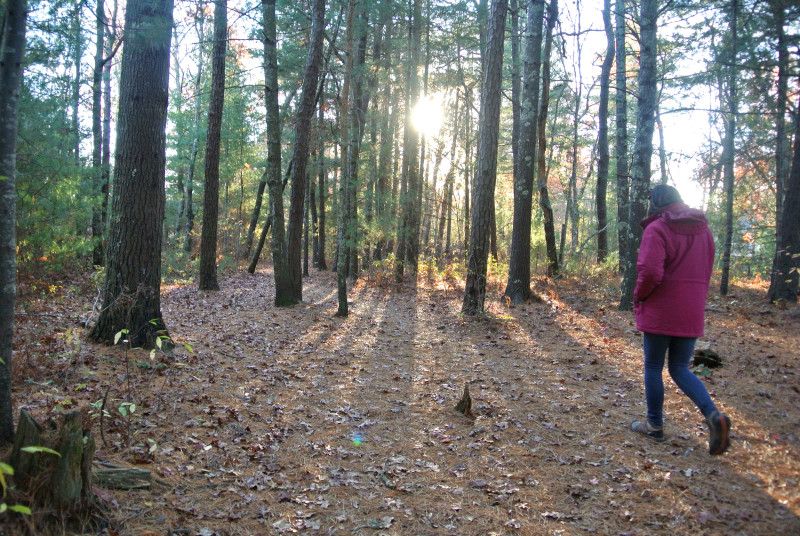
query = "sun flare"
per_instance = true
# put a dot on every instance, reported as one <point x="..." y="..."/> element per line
<point x="427" y="115"/>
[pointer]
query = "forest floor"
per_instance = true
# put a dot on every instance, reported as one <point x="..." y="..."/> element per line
<point x="294" y="421"/>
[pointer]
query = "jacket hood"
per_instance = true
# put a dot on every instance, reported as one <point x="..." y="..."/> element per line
<point x="680" y="218"/>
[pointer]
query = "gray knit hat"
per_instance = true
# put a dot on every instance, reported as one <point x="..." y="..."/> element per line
<point x="662" y="196"/>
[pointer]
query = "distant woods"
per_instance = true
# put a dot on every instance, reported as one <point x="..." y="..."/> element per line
<point x="547" y="124"/>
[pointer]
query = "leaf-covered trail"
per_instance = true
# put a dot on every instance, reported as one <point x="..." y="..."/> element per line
<point x="292" y="420"/>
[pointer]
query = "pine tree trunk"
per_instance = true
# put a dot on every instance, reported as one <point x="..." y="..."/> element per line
<point x="786" y="264"/>
<point x="276" y="219"/>
<point x="518" y="288"/>
<point x="483" y="190"/>
<point x="77" y="55"/>
<point x="408" y="239"/>
<point x="98" y="255"/>
<point x="302" y="135"/>
<point x="541" y="172"/>
<point x="729" y="147"/>
<point x="189" y="204"/>
<point x="322" y="263"/>
<point x="602" y="138"/>
<point x="132" y="289"/>
<point x="251" y="229"/>
<point x="208" y="237"/>
<point x="621" y="135"/>
<point x="12" y="46"/>
<point x="106" y="152"/>
<point x="783" y="149"/>
<point x="643" y="145"/>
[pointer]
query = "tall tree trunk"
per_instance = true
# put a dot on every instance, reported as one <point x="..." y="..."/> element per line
<point x="208" y="238"/>
<point x="343" y="236"/>
<point x="251" y="229"/>
<point x="106" y="151"/>
<point x="302" y="135"/>
<point x="447" y="198"/>
<point x="12" y="47"/>
<point x="662" y="150"/>
<point x="132" y="298"/>
<point x="306" y="222"/>
<point x="359" y="101"/>
<point x="383" y="188"/>
<point x="643" y="144"/>
<point x="516" y="85"/>
<point x="541" y="172"/>
<point x="621" y="135"/>
<point x="98" y="255"/>
<point x="189" y="205"/>
<point x="786" y="264"/>
<point x="518" y="288"/>
<point x="602" y="138"/>
<point x="77" y="54"/>
<point x="782" y="140"/>
<point x="729" y="145"/>
<point x="280" y="264"/>
<point x="483" y="191"/>
<point x="408" y="240"/>
<point x="322" y="263"/>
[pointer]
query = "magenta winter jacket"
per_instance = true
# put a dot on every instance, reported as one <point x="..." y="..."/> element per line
<point x="675" y="262"/>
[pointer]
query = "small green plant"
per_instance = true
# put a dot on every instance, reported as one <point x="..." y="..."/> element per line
<point x="702" y="370"/>
<point x="7" y="470"/>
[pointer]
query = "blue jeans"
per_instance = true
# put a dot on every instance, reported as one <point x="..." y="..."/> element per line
<point x="680" y="355"/>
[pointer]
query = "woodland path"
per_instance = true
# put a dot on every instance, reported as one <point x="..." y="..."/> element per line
<point x="294" y="421"/>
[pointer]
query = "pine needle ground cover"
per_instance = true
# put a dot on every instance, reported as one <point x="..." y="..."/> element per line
<point x="290" y="420"/>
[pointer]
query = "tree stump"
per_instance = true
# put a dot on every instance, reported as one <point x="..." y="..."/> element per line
<point x="62" y="482"/>
<point x="465" y="404"/>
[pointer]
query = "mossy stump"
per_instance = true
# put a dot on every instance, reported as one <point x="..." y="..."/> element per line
<point x="60" y="481"/>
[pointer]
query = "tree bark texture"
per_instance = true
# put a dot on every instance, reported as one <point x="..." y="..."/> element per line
<point x="643" y="144"/>
<point x="322" y="188"/>
<point x="343" y="236"/>
<point x="132" y="289"/>
<point x="729" y="145"/>
<point x="12" y="47"/>
<point x="485" y="178"/>
<point x="208" y="238"/>
<point x="198" y="103"/>
<point x="251" y="229"/>
<point x="302" y="136"/>
<point x="602" y="138"/>
<point x="786" y="265"/>
<point x="621" y="135"/>
<point x="98" y="255"/>
<point x="518" y="288"/>
<point x="544" y="195"/>
<point x="276" y="219"/>
<point x="408" y="239"/>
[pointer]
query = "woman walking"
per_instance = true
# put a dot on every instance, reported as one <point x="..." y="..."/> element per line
<point x="675" y="262"/>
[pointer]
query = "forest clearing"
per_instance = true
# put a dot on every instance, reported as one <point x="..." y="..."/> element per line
<point x="291" y="420"/>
